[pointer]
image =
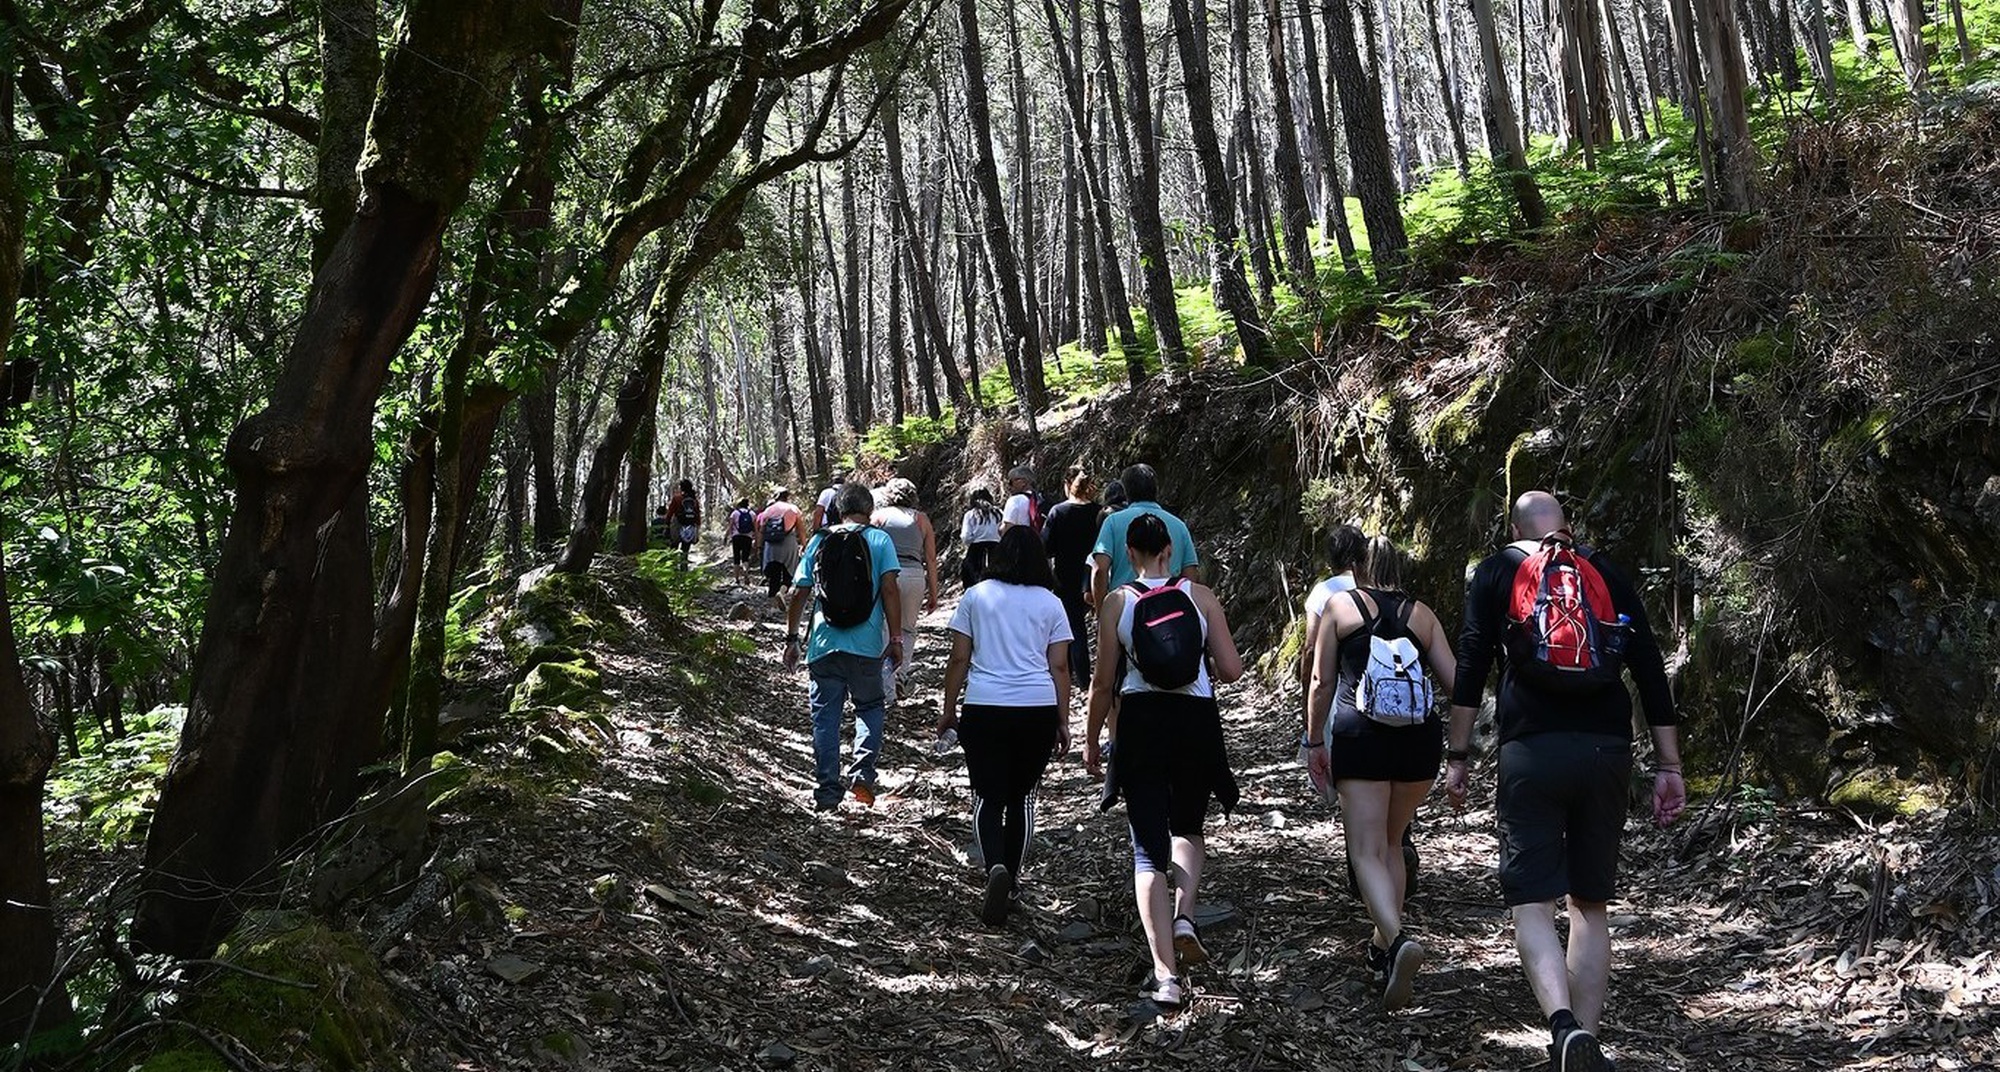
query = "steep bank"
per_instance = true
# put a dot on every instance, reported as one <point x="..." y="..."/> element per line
<point x="1788" y="424"/>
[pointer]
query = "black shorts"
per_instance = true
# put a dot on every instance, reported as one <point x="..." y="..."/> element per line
<point x="740" y="546"/>
<point x="1561" y="800"/>
<point x="1383" y="753"/>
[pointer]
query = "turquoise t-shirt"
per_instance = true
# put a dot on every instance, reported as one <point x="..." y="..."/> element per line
<point x="1111" y="542"/>
<point x="869" y="638"/>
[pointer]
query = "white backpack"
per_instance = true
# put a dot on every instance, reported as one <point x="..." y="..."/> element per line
<point x="1394" y="689"/>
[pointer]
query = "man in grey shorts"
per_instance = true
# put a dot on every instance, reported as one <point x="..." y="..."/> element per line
<point x="1565" y="746"/>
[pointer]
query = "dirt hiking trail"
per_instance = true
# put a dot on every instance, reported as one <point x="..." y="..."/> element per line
<point x="685" y="908"/>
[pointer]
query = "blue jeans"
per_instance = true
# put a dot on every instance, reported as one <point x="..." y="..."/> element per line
<point x="838" y="677"/>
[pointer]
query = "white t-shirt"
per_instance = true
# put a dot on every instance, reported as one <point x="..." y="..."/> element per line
<point x="1321" y="596"/>
<point x="977" y="528"/>
<point x="1011" y="627"/>
<point x="826" y="500"/>
<point x="1017" y="511"/>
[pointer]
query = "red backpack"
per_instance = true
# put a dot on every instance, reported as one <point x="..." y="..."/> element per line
<point x="1563" y="633"/>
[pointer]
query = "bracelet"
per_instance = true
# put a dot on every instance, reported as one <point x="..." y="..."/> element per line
<point x="1312" y="744"/>
<point x="1674" y="770"/>
<point x="791" y="638"/>
<point x="1457" y="755"/>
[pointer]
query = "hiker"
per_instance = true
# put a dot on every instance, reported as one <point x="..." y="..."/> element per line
<point x="778" y="541"/>
<point x="822" y="512"/>
<point x="1069" y="532"/>
<point x="910" y="530"/>
<point x="1566" y="623"/>
<point x="1010" y="640"/>
<point x="979" y="531"/>
<point x="686" y="512"/>
<point x="1024" y="503"/>
<point x="1109" y="565"/>
<point x="1343" y="553"/>
<point x="849" y="572"/>
<point x="1115" y="500"/>
<point x="742" y="539"/>
<point x="1170" y="758"/>
<point x="1372" y="733"/>
<point x="661" y="529"/>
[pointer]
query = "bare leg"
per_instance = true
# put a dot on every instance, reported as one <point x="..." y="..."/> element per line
<point x="1542" y="955"/>
<point x="1364" y="808"/>
<point x="1189" y="855"/>
<point x="1589" y="960"/>
<point x="1155" y="912"/>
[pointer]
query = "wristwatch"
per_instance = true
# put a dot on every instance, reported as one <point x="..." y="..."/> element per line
<point x="1457" y="755"/>
<point x="791" y="638"/>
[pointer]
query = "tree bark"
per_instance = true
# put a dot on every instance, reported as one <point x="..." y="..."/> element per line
<point x="1247" y="159"/>
<point x="276" y="732"/>
<point x="1110" y="275"/>
<point x="1367" y="141"/>
<point x="1232" y="288"/>
<point x="923" y="283"/>
<point x="1296" y="214"/>
<point x="1390" y="77"/>
<point x="1447" y="91"/>
<point x="1906" y="25"/>
<point x="1026" y="209"/>
<point x="1022" y="337"/>
<point x="1502" y="130"/>
<point x="1333" y="208"/>
<point x="1142" y="183"/>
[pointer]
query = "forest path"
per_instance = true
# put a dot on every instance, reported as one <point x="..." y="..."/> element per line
<point x="744" y="930"/>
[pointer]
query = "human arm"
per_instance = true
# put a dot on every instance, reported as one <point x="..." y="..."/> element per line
<point x="1100" y="579"/>
<point x="1225" y="664"/>
<point x="892" y="614"/>
<point x="1058" y="654"/>
<point x="1103" y="680"/>
<point x="955" y="668"/>
<point x="1669" y="787"/>
<point x="930" y="560"/>
<point x="1478" y="640"/>
<point x="1437" y="646"/>
<point x="794" y="607"/>
<point x="1656" y="697"/>
<point x="1325" y="658"/>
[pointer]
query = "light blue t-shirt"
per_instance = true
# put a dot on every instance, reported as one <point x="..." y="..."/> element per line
<point x="869" y="638"/>
<point x="1111" y="542"/>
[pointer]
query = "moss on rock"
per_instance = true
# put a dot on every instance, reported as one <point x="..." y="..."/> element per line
<point x="1880" y="792"/>
<point x="561" y="609"/>
<point x="575" y="684"/>
<point x="317" y="1000"/>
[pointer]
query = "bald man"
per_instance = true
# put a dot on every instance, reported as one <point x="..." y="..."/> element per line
<point x="1565" y="761"/>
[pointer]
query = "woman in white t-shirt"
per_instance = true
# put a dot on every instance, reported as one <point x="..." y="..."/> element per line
<point x="1344" y="550"/>
<point x="1010" y="659"/>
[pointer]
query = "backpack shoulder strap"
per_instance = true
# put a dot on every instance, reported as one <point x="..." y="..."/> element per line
<point x="1368" y="619"/>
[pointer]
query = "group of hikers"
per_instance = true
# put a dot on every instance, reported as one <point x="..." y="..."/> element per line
<point x="1104" y="595"/>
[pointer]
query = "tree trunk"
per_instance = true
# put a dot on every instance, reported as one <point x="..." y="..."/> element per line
<point x="1247" y="159"/>
<point x="1232" y="288"/>
<point x="1906" y="25"/>
<point x="1858" y="27"/>
<point x="1367" y="141"/>
<point x="1297" y="214"/>
<point x="276" y="731"/>
<point x="898" y="360"/>
<point x="1142" y="183"/>
<point x="350" y="65"/>
<point x="1110" y="276"/>
<point x="1333" y="209"/>
<point x="923" y="283"/>
<point x="1707" y="29"/>
<point x="1022" y="338"/>
<point x="1626" y="92"/>
<point x="1966" y="55"/>
<point x="847" y="282"/>
<point x="1502" y="130"/>
<point x="1026" y="209"/>
<point x="1390" y="78"/>
<point x="1461" y="156"/>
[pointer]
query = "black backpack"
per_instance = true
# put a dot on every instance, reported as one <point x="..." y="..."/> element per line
<point x="690" y="510"/>
<point x="774" y="528"/>
<point x="745" y="522"/>
<point x="844" y="577"/>
<point x="1167" y="645"/>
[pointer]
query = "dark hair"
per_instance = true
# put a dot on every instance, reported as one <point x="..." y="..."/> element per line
<point x="1345" y="548"/>
<point x="687" y="486"/>
<point x="661" y="509"/>
<point x="1020" y="559"/>
<point x="854" y="499"/>
<point x="1382" y="567"/>
<point x="743" y="504"/>
<point x="981" y="495"/>
<point x="1148" y="535"/>
<point x="1141" y="483"/>
<point x="1114" y="495"/>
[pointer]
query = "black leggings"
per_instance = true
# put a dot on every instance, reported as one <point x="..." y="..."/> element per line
<point x="1081" y="634"/>
<point x="973" y="569"/>
<point x="1169" y="753"/>
<point x="776" y="576"/>
<point x="1006" y="751"/>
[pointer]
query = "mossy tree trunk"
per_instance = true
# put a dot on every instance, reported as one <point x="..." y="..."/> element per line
<point x="279" y="722"/>
<point x="29" y="991"/>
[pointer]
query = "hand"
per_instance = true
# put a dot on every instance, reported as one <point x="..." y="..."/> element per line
<point x="1319" y="768"/>
<point x="1062" y="735"/>
<point x="1093" y="758"/>
<point x="1670" y="794"/>
<point x="1457" y="781"/>
<point x="791" y="656"/>
<point x="895" y="652"/>
<point x="930" y="602"/>
<point x="947" y="719"/>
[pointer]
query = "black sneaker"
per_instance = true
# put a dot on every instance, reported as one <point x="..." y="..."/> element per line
<point x="1576" y="1050"/>
<point x="999" y="895"/>
<point x="1167" y="993"/>
<point x="1377" y="961"/>
<point x="1403" y="957"/>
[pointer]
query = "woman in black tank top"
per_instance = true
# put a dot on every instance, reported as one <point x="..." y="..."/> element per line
<point x="1382" y="764"/>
